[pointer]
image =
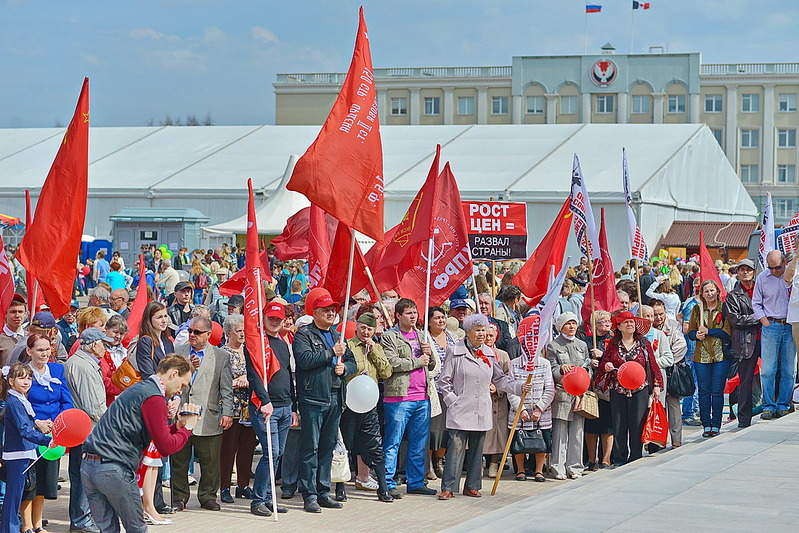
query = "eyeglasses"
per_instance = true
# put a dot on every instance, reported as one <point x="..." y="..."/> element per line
<point x="197" y="331"/>
<point x="778" y="267"/>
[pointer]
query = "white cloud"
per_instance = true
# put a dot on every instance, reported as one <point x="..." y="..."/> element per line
<point x="264" y="35"/>
<point x="152" y="35"/>
<point x="179" y="60"/>
<point x="214" y="36"/>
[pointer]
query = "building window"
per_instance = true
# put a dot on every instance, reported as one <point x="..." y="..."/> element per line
<point x="786" y="138"/>
<point x="750" y="103"/>
<point x="784" y="208"/>
<point x="605" y="103"/>
<point x="641" y="103"/>
<point x="399" y="106"/>
<point x="786" y="174"/>
<point x="432" y="105"/>
<point x="718" y="133"/>
<point x="676" y="103"/>
<point x="749" y="174"/>
<point x="499" y="105"/>
<point x="568" y="105"/>
<point x="535" y="105"/>
<point x="750" y="138"/>
<point x="466" y="105"/>
<point x="713" y="103"/>
<point x="788" y="103"/>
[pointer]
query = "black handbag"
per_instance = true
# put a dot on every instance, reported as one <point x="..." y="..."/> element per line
<point x="528" y="441"/>
<point x="681" y="382"/>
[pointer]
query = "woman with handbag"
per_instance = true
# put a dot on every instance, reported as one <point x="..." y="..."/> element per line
<point x="629" y="407"/>
<point x="536" y="417"/>
<point x="497" y="436"/>
<point x="598" y="431"/>
<point x="566" y="352"/>
<point x="470" y="367"/>
<point x="711" y="330"/>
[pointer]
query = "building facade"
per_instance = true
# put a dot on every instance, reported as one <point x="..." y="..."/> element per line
<point x="750" y="108"/>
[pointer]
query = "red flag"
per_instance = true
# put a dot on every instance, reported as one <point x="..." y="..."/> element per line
<point x="707" y="268"/>
<point x="533" y="277"/>
<point x="405" y="242"/>
<point x="342" y="171"/>
<point x="236" y="283"/>
<point x="336" y="278"/>
<point x="139" y="304"/>
<point x="293" y="242"/>
<point x="52" y="243"/>
<point x="318" y="247"/>
<point x="451" y="261"/>
<point x="6" y="282"/>
<point x="35" y="296"/>
<point x="263" y="358"/>
<point x="603" y="279"/>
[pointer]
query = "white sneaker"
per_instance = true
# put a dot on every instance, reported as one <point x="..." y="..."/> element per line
<point x="369" y="484"/>
<point x="166" y="483"/>
<point x="560" y="477"/>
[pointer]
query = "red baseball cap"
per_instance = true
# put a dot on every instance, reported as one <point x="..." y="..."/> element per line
<point x="322" y="301"/>
<point x="275" y="310"/>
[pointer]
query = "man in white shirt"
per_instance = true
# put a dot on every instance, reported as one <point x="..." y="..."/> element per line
<point x="12" y="332"/>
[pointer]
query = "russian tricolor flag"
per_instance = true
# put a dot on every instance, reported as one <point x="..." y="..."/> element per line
<point x="593" y="8"/>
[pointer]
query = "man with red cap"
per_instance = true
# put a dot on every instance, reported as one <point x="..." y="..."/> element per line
<point x="282" y="395"/>
<point x="322" y="363"/>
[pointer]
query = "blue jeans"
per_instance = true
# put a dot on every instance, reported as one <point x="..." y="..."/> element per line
<point x="415" y="416"/>
<point x="711" y="378"/>
<point x="9" y="519"/>
<point x="80" y="516"/>
<point x="279" y="424"/>
<point x="690" y="404"/>
<point x="113" y="496"/>
<point x="778" y="352"/>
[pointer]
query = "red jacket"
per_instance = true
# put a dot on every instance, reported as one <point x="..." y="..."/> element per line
<point x="108" y="368"/>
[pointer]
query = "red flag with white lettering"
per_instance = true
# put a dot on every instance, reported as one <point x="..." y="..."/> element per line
<point x="52" y="243"/>
<point x="405" y="242"/>
<point x="603" y="278"/>
<point x="336" y="276"/>
<point x="342" y="171"/>
<point x="263" y="358"/>
<point x="451" y="261"/>
<point x="139" y="304"/>
<point x="319" y="247"/>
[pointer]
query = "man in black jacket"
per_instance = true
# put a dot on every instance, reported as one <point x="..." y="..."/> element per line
<point x="322" y="361"/>
<point x="283" y="398"/>
<point x="505" y="341"/>
<point x="645" y="281"/>
<point x="745" y="336"/>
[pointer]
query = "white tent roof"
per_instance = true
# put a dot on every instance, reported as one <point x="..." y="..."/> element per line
<point x="271" y="215"/>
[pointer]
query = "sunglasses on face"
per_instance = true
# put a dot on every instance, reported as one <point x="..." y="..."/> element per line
<point x="197" y="331"/>
<point x="778" y="267"/>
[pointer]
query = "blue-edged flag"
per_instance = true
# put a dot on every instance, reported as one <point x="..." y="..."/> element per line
<point x="593" y="8"/>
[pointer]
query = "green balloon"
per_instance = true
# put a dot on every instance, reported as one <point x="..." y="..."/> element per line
<point x="51" y="454"/>
<point x="167" y="254"/>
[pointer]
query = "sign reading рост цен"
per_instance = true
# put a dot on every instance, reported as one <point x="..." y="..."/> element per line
<point x="497" y="230"/>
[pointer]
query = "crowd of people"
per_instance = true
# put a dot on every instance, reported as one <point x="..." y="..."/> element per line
<point x="183" y="399"/>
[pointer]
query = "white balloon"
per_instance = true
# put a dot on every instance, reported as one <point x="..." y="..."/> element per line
<point x="362" y="394"/>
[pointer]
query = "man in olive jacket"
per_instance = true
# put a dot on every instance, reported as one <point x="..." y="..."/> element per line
<point x="322" y="361"/>
<point x="410" y="397"/>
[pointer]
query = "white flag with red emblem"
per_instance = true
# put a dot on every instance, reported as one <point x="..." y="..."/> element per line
<point x="584" y="223"/>
<point x="767" y="242"/>
<point x="637" y="245"/>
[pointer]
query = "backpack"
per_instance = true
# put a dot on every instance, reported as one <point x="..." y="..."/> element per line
<point x="201" y="281"/>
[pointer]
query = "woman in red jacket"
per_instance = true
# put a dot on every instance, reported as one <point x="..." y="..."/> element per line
<point x="629" y="407"/>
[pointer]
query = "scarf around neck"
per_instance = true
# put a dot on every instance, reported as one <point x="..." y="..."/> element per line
<point x="45" y="379"/>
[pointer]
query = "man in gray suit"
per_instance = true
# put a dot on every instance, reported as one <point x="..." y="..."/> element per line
<point x="212" y="388"/>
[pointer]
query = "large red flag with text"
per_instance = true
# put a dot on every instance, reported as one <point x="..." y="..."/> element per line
<point x="6" y="282"/>
<point x="342" y="171"/>
<point x="51" y="245"/>
<point x="139" y="304"/>
<point x="35" y="296"/>
<point x="293" y="242"/>
<point x="336" y="277"/>
<point x="707" y="267"/>
<point x="603" y="279"/>
<point x="405" y="242"/>
<point x="533" y="277"/>
<point x="451" y="259"/>
<point x="319" y="247"/>
<point x="262" y="357"/>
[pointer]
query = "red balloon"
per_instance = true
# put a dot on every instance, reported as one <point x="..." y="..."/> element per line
<point x="577" y="381"/>
<point x="312" y="295"/>
<point x="71" y="428"/>
<point x="216" y="334"/>
<point x="631" y="375"/>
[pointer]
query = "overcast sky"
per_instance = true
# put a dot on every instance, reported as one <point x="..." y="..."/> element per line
<point x="147" y="59"/>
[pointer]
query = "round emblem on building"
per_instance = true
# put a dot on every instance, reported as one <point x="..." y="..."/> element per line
<point x="603" y="72"/>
